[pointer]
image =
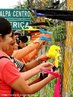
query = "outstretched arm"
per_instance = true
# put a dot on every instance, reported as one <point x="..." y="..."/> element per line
<point x="19" y="54"/>
<point x="23" y="87"/>
<point x="28" y="74"/>
<point x="35" y="62"/>
<point x="31" y="55"/>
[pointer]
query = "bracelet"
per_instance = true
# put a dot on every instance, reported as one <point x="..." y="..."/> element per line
<point x="39" y="61"/>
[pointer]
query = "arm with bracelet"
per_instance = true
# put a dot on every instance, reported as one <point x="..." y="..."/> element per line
<point x="35" y="62"/>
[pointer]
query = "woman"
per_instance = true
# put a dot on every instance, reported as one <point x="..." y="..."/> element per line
<point x="21" y="41"/>
<point x="10" y="77"/>
<point x="27" y="53"/>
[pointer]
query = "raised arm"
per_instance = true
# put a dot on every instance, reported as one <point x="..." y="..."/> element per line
<point x="19" y="54"/>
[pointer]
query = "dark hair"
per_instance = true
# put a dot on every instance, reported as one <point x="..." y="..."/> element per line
<point x="23" y="38"/>
<point x="5" y="26"/>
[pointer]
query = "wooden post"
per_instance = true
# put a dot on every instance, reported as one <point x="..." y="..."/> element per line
<point x="66" y="90"/>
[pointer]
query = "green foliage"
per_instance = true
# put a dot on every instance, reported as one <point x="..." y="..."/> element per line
<point x="58" y="32"/>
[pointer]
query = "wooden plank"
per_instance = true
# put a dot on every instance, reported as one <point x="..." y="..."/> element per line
<point x="66" y="91"/>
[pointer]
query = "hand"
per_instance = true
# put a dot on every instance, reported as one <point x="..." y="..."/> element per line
<point x="47" y="65"/>
<point x="56" y="74"/>
<point x="43" y="58"/>
<point x="38" y="40"/>
<point x="57" y="71"/>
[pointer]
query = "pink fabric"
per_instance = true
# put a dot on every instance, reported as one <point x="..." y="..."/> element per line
<point x="57" y="86"/>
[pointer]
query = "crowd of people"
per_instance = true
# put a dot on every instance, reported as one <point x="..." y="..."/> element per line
<point x="15" y="71"/>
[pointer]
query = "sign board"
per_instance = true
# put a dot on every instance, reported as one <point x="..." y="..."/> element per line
<point x="17" y="17"/>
